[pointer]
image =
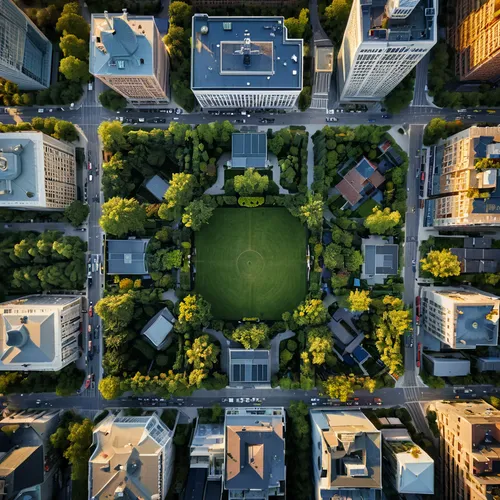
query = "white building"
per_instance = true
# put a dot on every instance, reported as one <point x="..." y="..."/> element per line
<point x="39" y="332"/>
<point x="133" y="458"/>
<point x="244" y="62"/>
<point x="378" y="50"/>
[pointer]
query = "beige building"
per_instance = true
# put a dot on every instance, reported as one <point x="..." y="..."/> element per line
<point x="128" y="55"/>
<point x="469" y="450"/>
<point x="133" y="458"/>
<point x="347" y="455"/>
<point x="462" y="195"/>
<point x="460" y="318"/>
<point x="36" y="171"/>
<point x="39" y="332"/>
<point x="475" y="36"/>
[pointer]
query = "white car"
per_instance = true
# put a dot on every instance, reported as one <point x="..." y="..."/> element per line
<point x="90" y="177"/>
<point x="141" y="120"/>
<point x="41" y="110"/>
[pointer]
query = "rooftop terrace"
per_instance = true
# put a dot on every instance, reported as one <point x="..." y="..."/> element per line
<point x="244" y="53"/>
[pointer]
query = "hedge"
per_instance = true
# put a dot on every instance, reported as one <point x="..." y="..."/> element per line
<point x="251" y="201"/>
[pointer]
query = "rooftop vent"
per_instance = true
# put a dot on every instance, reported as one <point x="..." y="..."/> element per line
<point x="121" y="64"/>
<point x="294" y="72"/>
<point x="227" y="26"/>
<point x="295" y="58"/>
<point x="204" y="30"/>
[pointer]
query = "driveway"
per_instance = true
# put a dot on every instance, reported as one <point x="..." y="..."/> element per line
<point x="275" y="349"/>
<point x="225" y="344"/>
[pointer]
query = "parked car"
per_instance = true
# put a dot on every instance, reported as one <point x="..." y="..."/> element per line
<point x="91" y="309"/>
<point x="87" y="382"/>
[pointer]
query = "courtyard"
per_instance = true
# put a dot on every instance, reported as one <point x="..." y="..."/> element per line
<point x="251" y="263"/>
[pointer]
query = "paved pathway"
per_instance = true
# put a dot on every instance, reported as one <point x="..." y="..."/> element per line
<point x="276" y="172"/>
<point x="275" y="349"/>
<point x="218" y="187"/>
<point x="310" y="162"/>
<point x="225" y="344"/>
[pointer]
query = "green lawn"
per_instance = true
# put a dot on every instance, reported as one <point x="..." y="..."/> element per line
<point x="366" y="209"/>
<point x="251" y="262"/>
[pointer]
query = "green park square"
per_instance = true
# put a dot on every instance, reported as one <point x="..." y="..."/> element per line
<point x="251" y="263"/>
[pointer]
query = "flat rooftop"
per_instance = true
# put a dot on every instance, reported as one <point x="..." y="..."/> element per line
<point x="236" y="53"/>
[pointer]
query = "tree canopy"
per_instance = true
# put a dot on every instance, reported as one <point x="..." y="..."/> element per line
<point x="112" y="136"/>
<point x="76" y="212"/>
<point x="311" y="312"/>
<point x="116" y="310"/>
<point x="250" y="183"/>
<point x="311" y="212"/>
<point x="112" y="100"/>
<point x="74" y="46"/>
<point x="441" y="264"/>
<point x="121" y="216"/>
<point x="359" y="300"/>
<point x="194" y="312"/>
<point x="382" y="221"/>
<point x="109" y="387"/>
<point x="251" y="335"/>
<point x="202" y="354"/>
<point x="319" y="344"/>
<point x="179" y="195"/>
<point x="197" y="213"/>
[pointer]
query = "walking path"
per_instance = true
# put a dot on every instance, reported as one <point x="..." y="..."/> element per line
<point x="225" y="344"/>
<point x="275" y="349"/>
<point x="218" y="187"/>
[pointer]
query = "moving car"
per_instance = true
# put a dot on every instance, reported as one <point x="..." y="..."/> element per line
<point x="90" y="166"/>
<point x="91" y="309"/>
<point x="377" y="401"/>
<point x="90" y="177"/>
<point x="89" y="328"/>
<point x="87" y="382"/>
<point x="89" y="346"/>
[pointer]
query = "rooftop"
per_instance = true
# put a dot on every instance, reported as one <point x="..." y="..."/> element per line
<point x="122" y="44"/>
<point x="250" y="53"/>
<point x="157" y="187"/>
<point x="249" y="366"/>
<point x="249" y="150"/>
<point x="158" y="327"/>
<point x="127" y="256"/>
<point x="380" y="258"/>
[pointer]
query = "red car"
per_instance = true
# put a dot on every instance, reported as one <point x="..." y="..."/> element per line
<point x="422" y="177"/>
<point x="87" y="382"/>
<point x="91" y="311"/>
<point x="90" y="166"/>
<point x="377" y="401"/>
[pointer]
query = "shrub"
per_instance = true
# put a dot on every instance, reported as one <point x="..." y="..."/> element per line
<point x="230" y="200"/>
<point x="251" y="201"/>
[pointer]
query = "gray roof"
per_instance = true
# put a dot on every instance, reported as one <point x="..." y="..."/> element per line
<point x="249" y="150"/>
<point x="478" y="260"/>
<point x="127" y="256"/>
<point x="158" y="327"/>
<point x="222" y="60"/>
<point x="443" y="365"/>
<point x="122" y="45"/>
<point x="381" y="259"/>
<point x="472" y="326"/>
<point x="157" y="187"/>
<point x="249" y="366"/>
<point x="488" y="364"/>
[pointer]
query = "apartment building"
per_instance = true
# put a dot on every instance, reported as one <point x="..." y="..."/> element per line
<point x="133" y="458"/>
<point x="39" y="332"/>
<point x="254" y="453"/>
<point x="460" y="318"/>
<point x="475" y="36"/>
<point x="406" y="465"/>
<point x="469" y="450"/>
<point x="36" y="171"/>
<point x="244" y="62"/>
<point x="383" y="41"/>
<point x="25" y="52"/>
<point x="128" y="55"/>
<point x="462" y="195"/>
<point x="347" y="456"/>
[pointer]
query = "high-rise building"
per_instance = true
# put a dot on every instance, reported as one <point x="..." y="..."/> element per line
<point x="25" y="52"/>
<point x="475" y="36"/>
<point x="383" y="41"/>
<point x="244" y="62"/>
<point x="469" y="450"/>
<point x="461" y="194"/>
<point x="128" y="55"/>
<point x="254" y="465"/>
<point x="39" y="332"/>
<point x="36" y="171"/>
<point x="460" y="318"/>
<point x="347" y="455"/>
<point x="133" y="458"/>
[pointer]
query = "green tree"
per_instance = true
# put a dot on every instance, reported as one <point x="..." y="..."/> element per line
<point x="311" y="212"/>
<point x="297" y="26"/>
<point x="196" y="214"/>
<point x="382" y="221"/>
<point x="121" y="216"/>
<point x="251" y="335"/>
<point x="112" y="100"/>
<point x="250" y="183"/>
<point x="485" y="164"/>
<point x="333" y="257"/>
<point x="203" y="353"/>
<point x="305" y="98"/>
<point x="113" y="136"/>
<point x="109" y="387"/>
<point x="73" y="46"/>
<point x="116" y="310"/>
<point x="441" y="264"/>
<point x="74" y="69"/>
<point x="400" y="97"/>
<point x="310" y="312"/>
<point x="435" y="130"/>
<point x="194" y="312"/>
<point x="73" y="24"/>
<point x="65" y="131"/>
<point x="76" y="213"/>
<point x="359" y="300"/>
<point x="335" y="19"/>
<point x="180" y="14"/>
<point x="179" y="195"/>
<point x="78" y="451"/>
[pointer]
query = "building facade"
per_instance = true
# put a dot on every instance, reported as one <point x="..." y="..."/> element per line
<point x="241" y="62"/>
<point x="460" y="318"/>
<point x="347" y="455"/>
<point x="382" y="43"/>
<point x="25" y="52"/>
<point x="128" y="55"/>
<point x="462" y="195"/>
<point x="133" y="458"/>
<point x="475" y="36"/>
<point x="469" y="450"/>
<point x="36" y="171"/>
<point x="39" y="332"/>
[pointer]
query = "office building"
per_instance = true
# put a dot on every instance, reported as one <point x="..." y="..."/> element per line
<point x="475" y="36"/>
<point x="383" y="41"/>
<point x="37" y="172"/>
<point x="27" y="461"/>
<point x="133" y="458"/>
<point x="254" y="454"/>
<point x="39" y="332"/>
<point x="460" y="318"/>
<point x="244" y="62"/>
<point x="347" y="456"/>
<point x="461" y="194"/>
<point x="128" y="55"/>
<point x="25" y="52"/>
<point x="469" y="450"/>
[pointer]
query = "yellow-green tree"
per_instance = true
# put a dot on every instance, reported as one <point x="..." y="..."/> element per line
<point x="359" y="300"/>
<point x="121" y="216"/>
<point x="312" y="211"/>
<point x="381" y="221"/>
<point x="194" y="312"/>
<point x="116" y="310"/>
<point x="441" y="263"/>
<point x="109" y="387"/>
<point x="203" y="353"/>
<point x="310" y="312"/>
<point x="340" y="386"/>
<point x="251" y="335"/>
<point x="319" y="344"/>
